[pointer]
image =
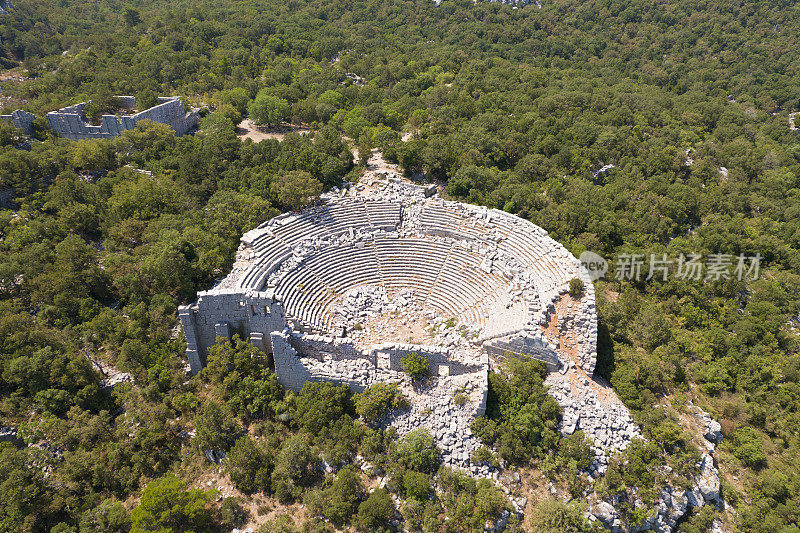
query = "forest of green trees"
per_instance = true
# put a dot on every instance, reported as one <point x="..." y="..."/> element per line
<point x="515" y="109"/>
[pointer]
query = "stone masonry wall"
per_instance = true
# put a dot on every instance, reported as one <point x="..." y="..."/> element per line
<point x="288" y="367"/>
<point x="70" y="122"/>
<point x="20" y="119"/>
<point x="320" y="346"/>
<point x="389" y="356"/>
<point x="253" y="316"/>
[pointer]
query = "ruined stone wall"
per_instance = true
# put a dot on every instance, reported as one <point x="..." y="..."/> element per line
<point x="253" y="316"/>
<point x="317" y="354"/>
<point x="524" y="344"/>
<point x="483" y="386"/>
<point x="291" y="372"/>
<point x="20" y="119"/>
<point x="294" y="368"/>
<point x="70" y="122"/>
<point x="390" y="355"/>
<point x="170" y="111"/>
<point x="320" y="346"/>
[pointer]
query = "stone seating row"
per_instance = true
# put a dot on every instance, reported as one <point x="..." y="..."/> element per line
<point x="344" y="267"/>
<point x="410" y="262"/>
<point x="303" y="227"/>
<point x="322" y="221"/>
<point x="483" y="313"/>
<point x="303" y="294"/>
<point x="269" y="253"/>
<point x="454" y="288"/>
<point x="428" y="260"/>
<point x="340" y="217"/>
<point x="549" y="271"/>
<point x="438" y="220"/>
<point x="335" y="270"/>
<point x="270" y="245"/>
<point x="462" y="278"/>
<point x="450" y="277"/>
<point x="383" y="215"/>
<point x="431" y="271"/>
<point x="530" y="245"/>
<point x="329" y="220"/>
<point x="257" y="277"/>
<point x="532" y="248"/>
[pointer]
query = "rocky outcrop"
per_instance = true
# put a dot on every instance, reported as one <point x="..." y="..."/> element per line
<point x="673" y="503"/>
<point x="712" y="430"/>
<point x="8" y="434"/>
<point x="708" y="481"/>
<point x="608" y="516"/>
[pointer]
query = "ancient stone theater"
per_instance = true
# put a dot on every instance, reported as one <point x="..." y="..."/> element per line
<point x="345" y="289"/>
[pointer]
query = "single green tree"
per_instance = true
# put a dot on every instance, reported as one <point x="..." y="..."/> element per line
<point x="167" y="505"/>
<point x="108" y="517"/>
<point x="268" y="110"/>
<point x="215" y="428"/>
<point x="338" y="501"/>
<point x="417" y="451"/>
<point x="554" y="516"/>
<point x="248" y="466"/>
<point x="416" y="485"/>
<point x="375" y="512"/>
<point x="296" y="189"/>
<point x="237" y="97"/>
<point x="575" y="287"/>
<point x="319" y="405"/>
<point x="131" y="17"/>
<point x="295" y="467"/>
<point x="416" y="366"/>
<point x="378" y="400"/>
<point x="232" y="513"/>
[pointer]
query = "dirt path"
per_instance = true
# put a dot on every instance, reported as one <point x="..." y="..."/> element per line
<point x="248" y="130"/>
<point x="567" y="344"/>
<point x="378" y="164"/>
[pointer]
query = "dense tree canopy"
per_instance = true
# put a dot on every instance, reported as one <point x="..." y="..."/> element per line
<point x="268" y="110"/>
<point x="515" y="109"/>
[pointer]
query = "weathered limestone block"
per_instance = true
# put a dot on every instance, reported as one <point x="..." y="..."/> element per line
<point x="708" y="481"/>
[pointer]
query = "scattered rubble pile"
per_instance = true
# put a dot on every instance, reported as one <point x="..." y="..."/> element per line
<point x="363" y="303"/>
<point x="7" y="434"/>
<point x="676" y="502"/>
<point x="602" y="418"/>
<point x="111" y="376"/>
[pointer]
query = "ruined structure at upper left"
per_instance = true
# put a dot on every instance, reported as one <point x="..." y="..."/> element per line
<point x="71" y="122"/>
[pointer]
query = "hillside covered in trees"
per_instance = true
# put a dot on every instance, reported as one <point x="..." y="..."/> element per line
<point x="516" y="109"/>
